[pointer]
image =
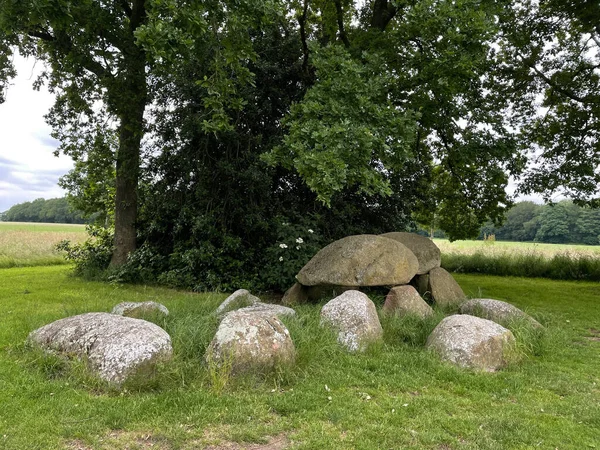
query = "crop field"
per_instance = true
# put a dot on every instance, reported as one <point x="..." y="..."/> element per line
<point x="514" y="248"/>
<point x="33" y="244"/>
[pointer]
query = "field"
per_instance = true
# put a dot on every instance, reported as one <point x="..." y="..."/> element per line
<point x="503" y="247"/>
<point x="396" y="395"/>
<point x="32" y="244"/>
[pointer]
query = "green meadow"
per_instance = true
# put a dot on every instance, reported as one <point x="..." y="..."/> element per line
<point x="396" y="395"/>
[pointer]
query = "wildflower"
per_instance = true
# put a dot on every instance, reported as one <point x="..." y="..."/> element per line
<point x="299" y="240"/>
<point x="297" y="247"/>
<point x="282" y="246"/>
<point x="310" y="231"/>
<point x="281" y="258"/>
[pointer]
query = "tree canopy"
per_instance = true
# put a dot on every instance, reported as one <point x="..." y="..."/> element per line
<point x="54" y="210"/>
<point x="215" y="132"/>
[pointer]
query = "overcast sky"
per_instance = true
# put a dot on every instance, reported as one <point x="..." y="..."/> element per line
<point x="28" y="168"/>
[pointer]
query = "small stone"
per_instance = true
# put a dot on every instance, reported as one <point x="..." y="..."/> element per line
<point x="139" y="309"/>
<point x="239" y="299"/>
<point x="354" y="316"/>
<point x="497" y="311"/>
<point x="405" y="300"/>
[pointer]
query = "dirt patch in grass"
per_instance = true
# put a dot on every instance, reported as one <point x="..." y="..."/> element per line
<point x="123" y="440"/>
<point x="279" y="442"/>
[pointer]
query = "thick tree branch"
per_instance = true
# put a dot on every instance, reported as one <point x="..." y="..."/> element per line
<point x="340" y="21"/>
<point x="302" y="23"/>
<point x="43" y="35"/>
<point x="383" y="12"/>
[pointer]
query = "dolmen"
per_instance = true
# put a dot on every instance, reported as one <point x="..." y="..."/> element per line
<point x="390" y="260"/>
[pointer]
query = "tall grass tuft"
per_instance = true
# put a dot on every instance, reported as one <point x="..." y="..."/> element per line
<point x="561" y="266"/>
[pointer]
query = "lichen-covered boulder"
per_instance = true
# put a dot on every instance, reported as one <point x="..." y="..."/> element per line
<point x="363" y="260"/>
<point x="269" y="309"/>
<point x="405" y="300"/>
<point x="354" y="316"/>
<point x="472" y="342"/>
<point x="251" y="342"/>
<point x="497" y="311"/>
<point x="115" y="347"/>
<point x="237" y="300"/>
<point x="427" y="253"/>
<point x="444" y="289"/>
<point x="140" y="309"/>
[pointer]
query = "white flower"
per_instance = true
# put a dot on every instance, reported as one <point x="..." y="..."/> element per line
<point x="297" y="247"/>
<point x="299" y="240"/>
<point x="281" y="258"/>
<point x="310" y="231"/>
<point x="282" y="246"/>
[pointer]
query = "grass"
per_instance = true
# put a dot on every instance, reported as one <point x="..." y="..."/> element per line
<point x="396" y="395"/>
<point x="33" y="244"/>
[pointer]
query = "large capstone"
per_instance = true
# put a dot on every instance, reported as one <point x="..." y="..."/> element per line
<point x="444" y="289"/>
<point x="363" y="260"/>
<point x="427" y="253"/>
<point x="251" y="342"/>
<point x="406" y="301"/>
<point x="115" y="347"/>
<point x="472" y="342"/>
<point x="500" y="312"/>
<point x="354" y="317"/>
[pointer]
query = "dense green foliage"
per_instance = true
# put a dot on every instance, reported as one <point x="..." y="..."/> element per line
<point x="54" y="210"/>
<point x="560" y="223"/>
<point x="236" y="126"/>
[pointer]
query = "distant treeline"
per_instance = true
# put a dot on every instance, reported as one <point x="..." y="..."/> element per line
<point x="559" y="223"/>
<point x="54" y="210"/>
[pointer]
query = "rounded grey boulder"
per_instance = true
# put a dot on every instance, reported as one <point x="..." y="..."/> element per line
<point x="362" y="260"/>
<point x="251" y="342"/>
<point x="268" y="310"/>
<point x="115" y="347"/>
<point x="427" y="253"/>
<point x="354" y="316"/>
<point x="471" y="342"/>
<point x="405" y="300"/>
<point x="497" y="311"/>
<point x="138" y="309"/>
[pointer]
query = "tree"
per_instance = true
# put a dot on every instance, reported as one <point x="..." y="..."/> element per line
<point x="101" y="56"/>
<point x="551" y="51"/>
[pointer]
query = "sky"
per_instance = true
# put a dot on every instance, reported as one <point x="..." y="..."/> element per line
<point x="28" y="168"/>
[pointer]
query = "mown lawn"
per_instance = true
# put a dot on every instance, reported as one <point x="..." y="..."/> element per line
<point x="33" y="244"/>
<point x="395" y="396"/>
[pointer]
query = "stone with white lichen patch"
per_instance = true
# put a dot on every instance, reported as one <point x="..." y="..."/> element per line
<point x="251" y="342"/>
<point x="471" y="342"/>
<point x="138" y="309"/>
<point x="354" y="316"/>
<point x="114" y="346"/>
<point x="239" y="299"/>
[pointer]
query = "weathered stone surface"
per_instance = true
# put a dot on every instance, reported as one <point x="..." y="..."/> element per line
<point x="237" y="300"/>
<point x="444" y="290"/>
<point x="421" y="284"/>
<point x="115" y="347"/>
<point x="268" y="310"/>
<point x="251" y="342"/>
<point x="427" y="253"/>
<point x="471" y="342"/>
<point x="354" y="316"/>
<point x="363" y="260"/>
<point x="296" y="295"/>
<point x="405" y="300"/>
<point x="139" y="309"/>
<point x="497" y="311"/>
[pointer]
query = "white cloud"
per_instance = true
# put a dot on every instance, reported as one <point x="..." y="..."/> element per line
<point x="28" y="168"/>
